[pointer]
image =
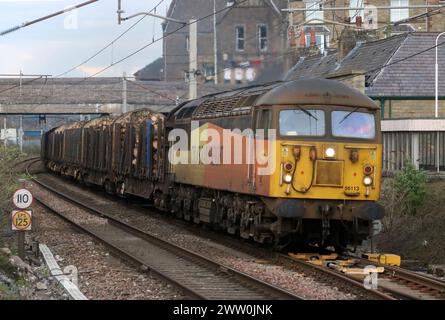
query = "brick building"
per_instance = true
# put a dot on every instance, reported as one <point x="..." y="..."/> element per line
<point x="251" y="37"/>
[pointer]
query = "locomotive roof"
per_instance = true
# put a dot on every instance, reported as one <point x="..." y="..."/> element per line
<point x="316" y="91"/>
<point x="302" y="92"/>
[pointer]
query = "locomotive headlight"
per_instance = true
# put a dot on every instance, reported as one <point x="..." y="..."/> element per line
<point x="287" y="178"/>
<point x="367" y="181"/>
<point x="329" y="152"/>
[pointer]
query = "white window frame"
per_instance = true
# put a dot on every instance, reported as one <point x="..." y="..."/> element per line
<point x="237" y="38"/>
<point x="319" y="14"/>
<point x="399" y="14"/>
<point x="354" y="13"/>
<point x="263" y="38"/>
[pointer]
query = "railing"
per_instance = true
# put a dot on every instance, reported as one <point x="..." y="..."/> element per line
<point x="419" y="146"/>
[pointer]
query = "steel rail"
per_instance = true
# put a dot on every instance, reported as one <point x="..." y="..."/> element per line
<point x="358" y="285"/>
<point x="264" y="289"/>
<point x="383" y="292"/>
<point x="336" y="274"/>
<point x="409" y="276"/>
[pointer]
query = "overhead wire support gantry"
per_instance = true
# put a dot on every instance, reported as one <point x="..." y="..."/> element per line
<point x="120" y="11"/>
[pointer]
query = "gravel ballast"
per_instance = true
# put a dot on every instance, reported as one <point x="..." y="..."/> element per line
<point x="292" y="280"/>
<point x="101" y="275"/>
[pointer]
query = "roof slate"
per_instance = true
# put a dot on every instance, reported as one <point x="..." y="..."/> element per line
<point x="151" y="72"/>
<point x="371" y="55"/>
<point x="152" y="94"/>
<point x="412" y="77"/>
<point x="415" y="76"/>
<point x="313" y="67"/>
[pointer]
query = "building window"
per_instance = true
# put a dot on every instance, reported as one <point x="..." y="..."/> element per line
<point x="239" y="35"/>
<point x="239" y="74"/>
<point x="262" y="37"/>
<point x="250" y="74"/>
<point x="354" y="13"/>
<point x="227" y="75"/>
<point x="209" y="72"/>
<point x="320" y="41"/>
<point x="399" y="14"/>
<point x="314" y="4"/>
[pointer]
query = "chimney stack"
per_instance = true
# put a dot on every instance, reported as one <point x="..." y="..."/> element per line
<point x="302" y="39"/>
<point x="346" y="42"/>
<point x="292" y="39"/>
<point x="358" y="21"/>
<point x="313" y="38"/>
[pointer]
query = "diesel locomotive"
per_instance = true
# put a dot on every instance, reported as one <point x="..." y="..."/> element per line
<point x="288" y="162"/>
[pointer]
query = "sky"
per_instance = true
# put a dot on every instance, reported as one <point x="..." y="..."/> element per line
<point x="56" y="45"/>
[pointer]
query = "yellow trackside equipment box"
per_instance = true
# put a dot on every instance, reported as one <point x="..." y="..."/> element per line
<point x="384" y="258"/>
<point x="313" y="256"/>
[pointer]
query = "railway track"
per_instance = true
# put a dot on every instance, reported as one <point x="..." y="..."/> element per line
<point x="19" y="164"/>
<point x="395" y="283"/>
<point x="408" y="284"/>
<point x="198" y="276"/>
<point x="323" y="274"/>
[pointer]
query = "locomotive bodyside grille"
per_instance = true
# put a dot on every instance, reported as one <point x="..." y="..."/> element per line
<point x="329" y="173"/>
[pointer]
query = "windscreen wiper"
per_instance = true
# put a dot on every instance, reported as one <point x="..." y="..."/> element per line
<point x="347" y="116"/>
<point x="307" y="112"/>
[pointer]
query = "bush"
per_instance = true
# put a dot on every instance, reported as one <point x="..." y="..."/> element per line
<point x="410" y="185"/>
<point x="9" y="157"/>
<point x="418" y="236"/>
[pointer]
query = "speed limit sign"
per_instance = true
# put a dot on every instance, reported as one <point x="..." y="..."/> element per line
<point x="22" y="198"/>
<point x="21" y="220"/>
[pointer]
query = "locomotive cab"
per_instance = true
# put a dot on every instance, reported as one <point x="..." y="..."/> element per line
<point x="328" y="157"/>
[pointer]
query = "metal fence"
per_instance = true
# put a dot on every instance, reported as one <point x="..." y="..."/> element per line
<point x="417" y="147"/>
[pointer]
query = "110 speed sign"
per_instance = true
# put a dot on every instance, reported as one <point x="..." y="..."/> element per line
<point x="22" y="199"/>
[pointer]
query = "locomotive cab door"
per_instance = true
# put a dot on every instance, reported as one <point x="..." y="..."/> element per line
<point x="262" y="122"/>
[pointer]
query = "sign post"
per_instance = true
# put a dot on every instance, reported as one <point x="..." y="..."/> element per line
<point x="21" y="217"/>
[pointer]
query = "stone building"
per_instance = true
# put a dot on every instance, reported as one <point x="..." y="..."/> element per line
<point x="251" y="37"/>
<point x="374" y="21"/>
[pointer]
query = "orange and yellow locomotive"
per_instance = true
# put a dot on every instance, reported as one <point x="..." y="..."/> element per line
<point x="288" y="162"/>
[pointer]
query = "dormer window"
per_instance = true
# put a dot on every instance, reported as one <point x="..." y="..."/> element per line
<point x="399" y="14"/>
<point x="315" y="14"/>
<point x="354" y="12"/>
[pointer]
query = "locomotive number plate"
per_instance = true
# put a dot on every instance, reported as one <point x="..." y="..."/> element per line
<point x="352" y="188"/>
